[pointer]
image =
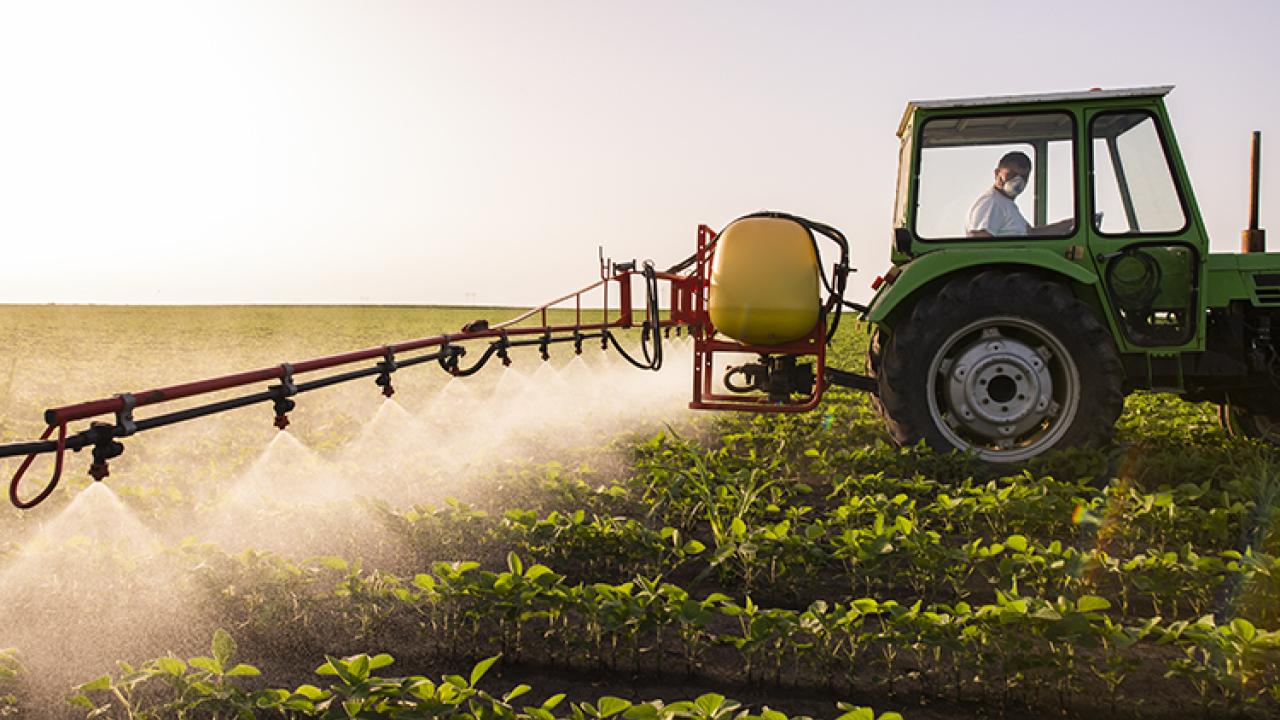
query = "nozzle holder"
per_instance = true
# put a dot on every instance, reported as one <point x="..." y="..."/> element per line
<point x="105" y="448"/>
<point x="577" y="342"/>
<point x="449" y="355"/>
<point x="282" y="404"/>
<point x="543" y="347"/>
<point x="502" y="345"/>
<point x="387" y="366"/>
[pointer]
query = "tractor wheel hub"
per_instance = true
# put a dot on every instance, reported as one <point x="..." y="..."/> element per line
<point x="996" y="388"/>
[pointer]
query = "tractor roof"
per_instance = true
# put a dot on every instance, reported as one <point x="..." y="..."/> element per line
<point x="1057" y="97"/>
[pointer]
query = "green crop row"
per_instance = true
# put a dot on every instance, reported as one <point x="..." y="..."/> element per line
<point x="209" y="686"/>
<point x="881" y="545"/>
<point x="1016" y="647"/>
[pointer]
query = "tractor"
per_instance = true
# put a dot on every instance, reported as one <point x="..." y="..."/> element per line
<point x="1009" y="345"/>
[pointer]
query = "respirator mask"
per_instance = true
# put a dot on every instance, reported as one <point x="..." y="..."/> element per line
<point x="1014" y="186"/>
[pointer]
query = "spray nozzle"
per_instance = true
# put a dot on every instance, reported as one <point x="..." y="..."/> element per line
<point x="543" y="349"/>
<point x="502" y="345"/>
<point x="387" y="366"/>
<point x="283" y="392"/>
<point x="282" y="407"/>
<point x="577" y="342"/>
<point x="105" y="447"/>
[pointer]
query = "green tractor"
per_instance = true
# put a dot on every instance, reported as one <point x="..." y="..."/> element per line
<point x="1008" y="332"/>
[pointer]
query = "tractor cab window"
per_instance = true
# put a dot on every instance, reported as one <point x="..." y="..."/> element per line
<point x="996" y="176"/>
<point x="1133" y="187"/>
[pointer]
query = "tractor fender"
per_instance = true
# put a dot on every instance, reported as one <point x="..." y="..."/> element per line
<point x="929" y="267"/>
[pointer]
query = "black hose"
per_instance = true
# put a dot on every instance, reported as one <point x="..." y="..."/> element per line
<point x="651" y="331"/>
<point x="452" y="366"/>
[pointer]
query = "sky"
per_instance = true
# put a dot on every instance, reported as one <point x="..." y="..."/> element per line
<point x="480" y="152"/>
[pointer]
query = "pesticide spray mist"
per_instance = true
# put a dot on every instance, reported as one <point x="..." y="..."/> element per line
<point x="94" y="584"/>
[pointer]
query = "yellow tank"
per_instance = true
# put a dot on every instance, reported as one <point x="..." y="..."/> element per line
<point x="764" y="281"/>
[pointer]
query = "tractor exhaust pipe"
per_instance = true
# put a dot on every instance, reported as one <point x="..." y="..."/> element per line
<point x="1254" y="239"/>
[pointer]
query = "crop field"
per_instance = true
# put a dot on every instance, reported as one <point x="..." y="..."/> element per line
<point x="566" y="540"/>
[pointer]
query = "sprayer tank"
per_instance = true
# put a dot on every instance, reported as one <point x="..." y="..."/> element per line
<point x="764" y="281"/>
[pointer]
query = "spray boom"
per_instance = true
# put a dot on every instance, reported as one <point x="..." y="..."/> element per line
<point x="691" y="304"/>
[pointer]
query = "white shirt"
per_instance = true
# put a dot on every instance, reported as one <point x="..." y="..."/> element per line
<point x="994" y="212"/>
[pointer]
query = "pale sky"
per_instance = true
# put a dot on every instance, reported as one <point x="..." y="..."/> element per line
<point x="479" y="152"/>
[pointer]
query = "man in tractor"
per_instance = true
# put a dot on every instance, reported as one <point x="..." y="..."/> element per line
<point x="995" y="213"/>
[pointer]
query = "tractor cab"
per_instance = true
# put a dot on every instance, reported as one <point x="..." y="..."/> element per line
<point x="1103" y="202"/>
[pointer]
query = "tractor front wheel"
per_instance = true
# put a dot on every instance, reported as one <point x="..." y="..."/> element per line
<point x="1006" y="365"/>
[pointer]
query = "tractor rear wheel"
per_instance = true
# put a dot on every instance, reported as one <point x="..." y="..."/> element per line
<point x="1006" y="365"/>
<point x="1239" y="422"/>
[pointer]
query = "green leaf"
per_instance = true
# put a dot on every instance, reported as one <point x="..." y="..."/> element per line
<point x="516" y="692"/>
<point x="482" y="667"/>
<point x="1092" y="603"/>
<point x="738" y="528"/>
<point x="1244" y="629"/>
<point x="207" y="664"/>
<point x="709" y="704"/>
<point x="858" y="713"/>
<point x="1017" y="542"/>
<point x="610" y="705"/>
<point x="380" y="660"/>
<point x="310" y="692"/>
<point x="643" y="711"/>
<point x="342" y="669"/>
<point x="890" y="716"/>
<point x="551" y="702"/>
<point x="243" y="670"/>
<point x="536" y="571"/>
<point x="102" y="683"/>
<point x="223" y="647"/>
<point x="171" y="666"/>
<point x="333" y="562"/>
<point x="358" y="666"/>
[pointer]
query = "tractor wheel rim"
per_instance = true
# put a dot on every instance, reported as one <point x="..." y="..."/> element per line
<point x="1004" y="388"/>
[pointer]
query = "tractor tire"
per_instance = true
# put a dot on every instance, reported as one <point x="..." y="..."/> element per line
<point x="872" y="368"/>
<point x="1005" y="365"/>
<point x="1241" y="423"/>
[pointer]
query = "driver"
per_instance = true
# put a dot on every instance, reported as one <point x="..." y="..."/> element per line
<point x="995" y="214"/>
